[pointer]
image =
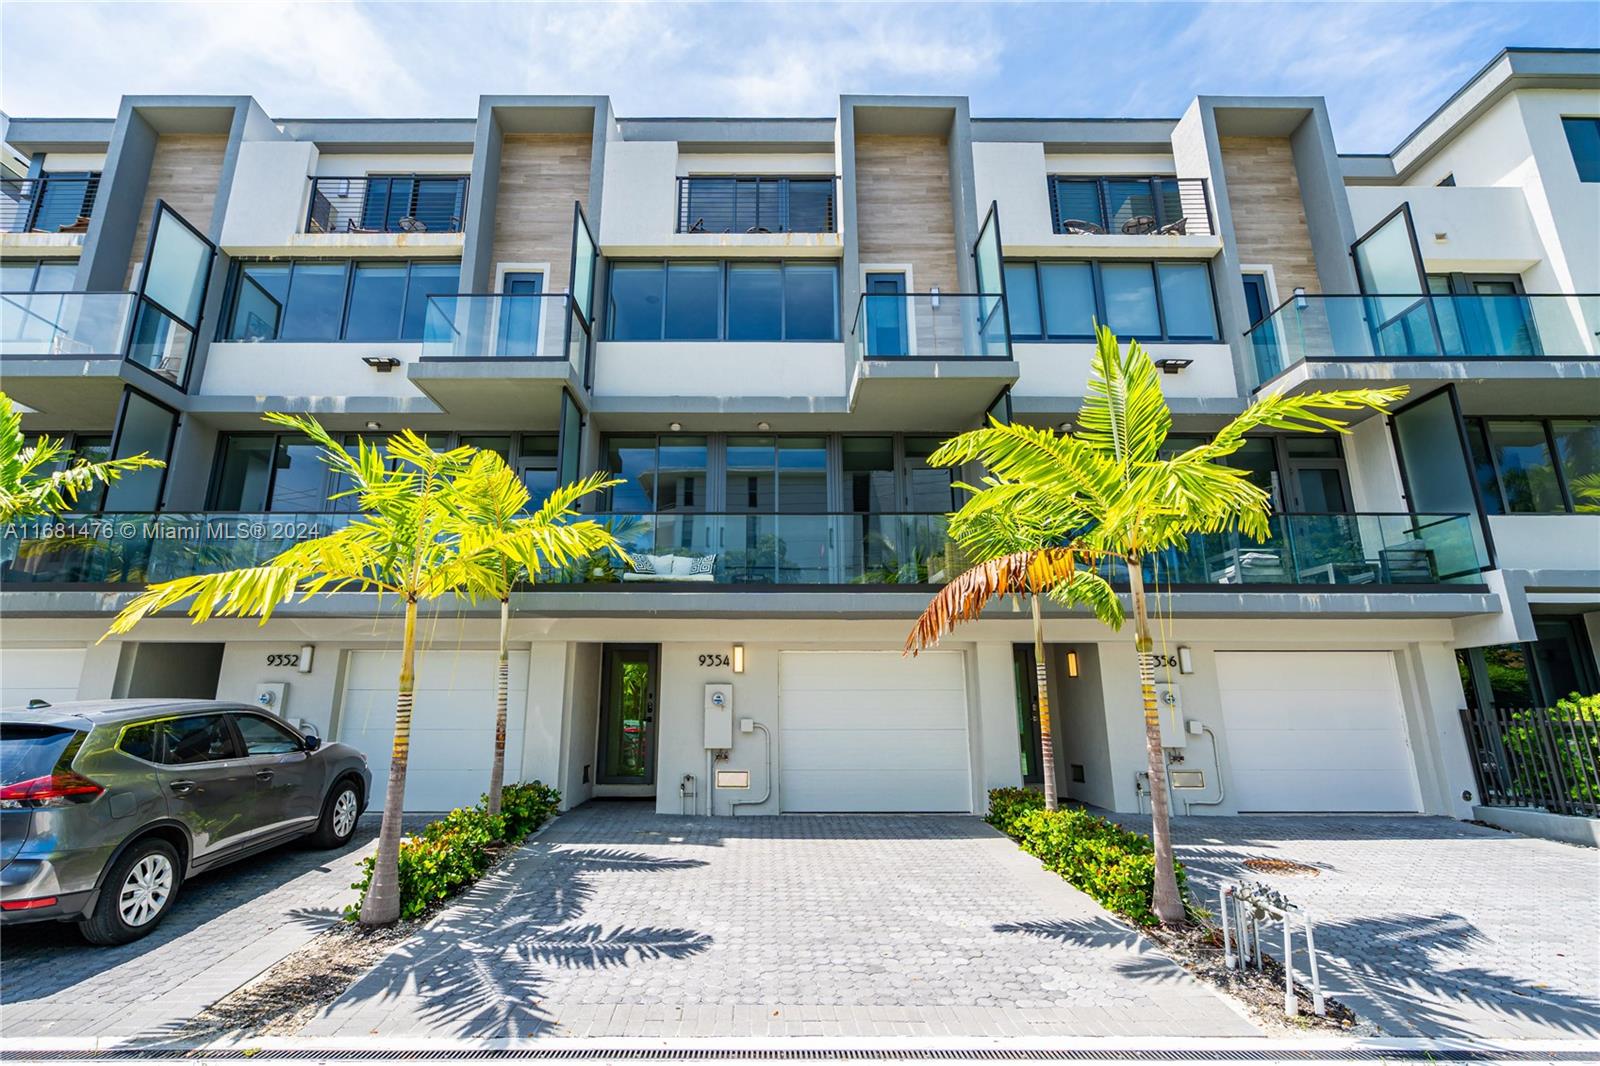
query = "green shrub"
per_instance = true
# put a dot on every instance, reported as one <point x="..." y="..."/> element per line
<point x="459" y="848"/>
<point x="1112" y="865"/>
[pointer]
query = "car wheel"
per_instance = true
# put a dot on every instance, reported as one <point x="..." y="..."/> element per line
<point x="339" y="813"/>
<point x="137" y="893"/>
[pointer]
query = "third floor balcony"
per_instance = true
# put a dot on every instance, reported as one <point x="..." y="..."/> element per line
<point x="757" y="205"/>
<point x="397" y="203"/>
<point x="53" y="204"/>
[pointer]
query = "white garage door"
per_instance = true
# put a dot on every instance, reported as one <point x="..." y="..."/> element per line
<point x="873" y="731"/>
<point x="1316" y="731"/>
<point x="452" y="725"/>
<point x="39" y="673"/>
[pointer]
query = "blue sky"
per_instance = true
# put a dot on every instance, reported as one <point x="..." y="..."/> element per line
<point x="1383" y="67"/>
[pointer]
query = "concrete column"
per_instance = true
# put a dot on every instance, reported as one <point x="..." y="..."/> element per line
<point x="1431" y="686"/>
<point x="997" y="757"/>
<point x="549" y="678"/>
<point x="98" y="681"/>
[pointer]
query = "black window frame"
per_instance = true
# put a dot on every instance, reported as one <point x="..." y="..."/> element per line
<point x="1047" y="337"/>
<point x="723" y="307"/>
<point x="224" y="334"/>
<point x="1477" y="428"/>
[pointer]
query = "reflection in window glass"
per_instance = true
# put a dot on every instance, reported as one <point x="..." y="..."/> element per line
<point x="811" y="302"/>
<point x="755" y="302"/>
<point x="316" y="303"/>
<point x="1022" y="300"/>
<point x="752" y="479"/>
<point x="1578" y="449"/>
<point x="636" y="301"/>
<point x="869" y="474"/>
<point x="633" y="461"/>
<point x="263" y="737"/>
<point x="427" y="279"/>
<point x="802" y="475"/>
<point x="1068" y="291"/>
<point x="245" y="473"/>
<point x="1583" y="137"/>
<point x="1130" y="297"/>
<point x="1527" y="473"/>
<point x="681" y="474"/>
<point x="204" y="738"/>
<point x="376" y="296"/>
<point x="1483" y="468"/>
<point x="694" y="293"/>
<point x="1186" y="300"/>
<point x="300" y="478"/>
<point x="258" y="305"/>
<point x="177" y="269"/>
<point x="55" y="277"/>
<point x="147" y="428"/>
<point x="929" y="489"/>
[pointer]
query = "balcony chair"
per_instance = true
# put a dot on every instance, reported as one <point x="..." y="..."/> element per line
<point x="412" y="224"/>
<point x="1176" y="228"/>
<point x="1139" y="225"/>
<point x="1078" y="225"/>
<point x="1410" y="562"/>
<point x="1246" y="566"/>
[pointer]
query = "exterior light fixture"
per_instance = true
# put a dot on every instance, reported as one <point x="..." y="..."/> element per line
<point x="373" y="423"/>
<point x="381" y="363"/>
<point x="1072" y="664"/>
<point x="933" y="297"/>
<point x="738" y="658"/>
<point x="763" y="426"/>
<point x="1185" y="660"/>
<point x="1299" y="298"/>
<point x="1173" y="366"/>
<point x="1065" y="427"/>
<point x="676" y="427"/>
<point x="1441" y="238"/>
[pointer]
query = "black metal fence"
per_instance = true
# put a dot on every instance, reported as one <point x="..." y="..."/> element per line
<point x="757" y="205"/>
<point x="1133" y="206"/>
<point x="395" y="203"/>
<point x="55" y="203"/>
<point x="1541" y="757"/>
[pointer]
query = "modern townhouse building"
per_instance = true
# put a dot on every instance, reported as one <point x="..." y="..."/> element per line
<point x="765" y="326"/>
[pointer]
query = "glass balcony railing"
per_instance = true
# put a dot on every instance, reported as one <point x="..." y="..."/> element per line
<point x="41" y="325"/>
<point x="1426" y="327"/>
<point x="523" y="326"/>
<point x="697" y="549"/>
<point x="919" y="325"/>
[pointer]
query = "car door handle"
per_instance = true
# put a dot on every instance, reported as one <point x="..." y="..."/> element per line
<point x="264" y="775"/>
<point x="181" y="787"/>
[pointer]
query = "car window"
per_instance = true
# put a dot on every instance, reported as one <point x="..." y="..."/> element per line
<point x="30" y="751"/>
<point x="202" y="738"/>
<point x="265" y="737"/>
<point x="139" y="741"/>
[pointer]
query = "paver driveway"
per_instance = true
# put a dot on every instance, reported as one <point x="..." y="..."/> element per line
<point x="226" y="928"/>
<point x="1433" y="927"/>
<point x="618" y="922"/>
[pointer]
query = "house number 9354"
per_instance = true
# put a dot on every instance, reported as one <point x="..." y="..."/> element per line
<point x="714" y="660"/>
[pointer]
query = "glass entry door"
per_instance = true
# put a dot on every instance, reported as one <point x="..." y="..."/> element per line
<point x="1027" y="686"/>
<point x="627" y="753"/>
<point x="887" y="334"/>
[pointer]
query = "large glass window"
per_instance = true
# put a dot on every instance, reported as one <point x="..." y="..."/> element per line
<point x="1061" y="300"/>
<point x="929" y="489"/>
<point x="736" y="301"/>
<point x="37" y="275"/>
<point x="329" y="301"/>
<point x="1578" y="451"/>
<point x="868" y="465"/>
<point x="1536" y="466"/>
<point x="1583" y="137"/>
<point x="146" y="428"/>
<point x="658" y="473"/>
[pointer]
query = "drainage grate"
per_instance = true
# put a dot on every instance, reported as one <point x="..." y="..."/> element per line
<point x="734" y="1054"/>
<point x="1281" y="866"/>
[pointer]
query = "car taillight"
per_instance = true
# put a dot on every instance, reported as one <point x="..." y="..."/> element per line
<point x="55" y="790"/>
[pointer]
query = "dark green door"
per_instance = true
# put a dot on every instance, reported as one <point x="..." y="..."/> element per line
<point x="1027" y="714"/>
<point x="627" y="715"/>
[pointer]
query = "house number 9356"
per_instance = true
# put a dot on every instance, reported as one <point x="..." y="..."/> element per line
<point x="714" y="660"/>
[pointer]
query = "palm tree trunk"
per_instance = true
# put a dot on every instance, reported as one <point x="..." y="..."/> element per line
<point x="502" y="678"/>
<point x="382" y="904"/>
<point x="1167" y="904"/>
<point x="1047" y="751"/>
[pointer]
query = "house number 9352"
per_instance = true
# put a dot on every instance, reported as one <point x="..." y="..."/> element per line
<point x="287" y="659"/>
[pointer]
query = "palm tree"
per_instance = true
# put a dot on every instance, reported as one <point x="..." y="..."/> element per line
<point x="42" y="480"/>
<point x="1106" y="493"/>
<point x="406" y="542"/>
<point x="507" y="545"/>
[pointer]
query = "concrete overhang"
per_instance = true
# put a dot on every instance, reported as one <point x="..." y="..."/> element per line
<point x="802" y="136"/>
<point x="1196" y="411"/>
<point x="927" y="394"/>
<point x="498" y="389"/>
<point x="365" y="245"/>
<point x="1485" y="386"/>
<point x="1122" y="246"/>
<point x="712" y="414"/>
<point x="64" y="392"/>
<point x="1082" y="135"/>
<point x="377" y="135"/>
<point x="42" y="245"/>
<point x="543" y="114"/>
<point x="755" y="601"/>
<point x="34" y="135"/>
<point x="904" y="115"/>
<point x="737" y="246"/>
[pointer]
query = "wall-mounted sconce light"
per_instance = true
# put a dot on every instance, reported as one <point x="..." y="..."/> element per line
<point x="738" y="658"/>
<point x="1185" y="660"/>
<point x="381" y="363"/>
<point x="1173" y="366"/>
<point x="304" y="664"/>
<point x="1299" y="298"/>
<point x="1072" y="664"/>
<point x="1441" y="238"/>
<point x="933" y="297"/>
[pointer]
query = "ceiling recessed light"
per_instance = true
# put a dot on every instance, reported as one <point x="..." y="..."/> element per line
<point x="374" y="424"/>
<point x="676" y="427"/>
<point x="763" y="425"/>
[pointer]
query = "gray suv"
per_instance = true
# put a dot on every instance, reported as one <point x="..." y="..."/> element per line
<point x="107" y="806"/>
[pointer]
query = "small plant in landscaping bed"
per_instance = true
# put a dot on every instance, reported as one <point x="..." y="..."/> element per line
<point x="1112" y="865"/>
<point x="459" y="848"/>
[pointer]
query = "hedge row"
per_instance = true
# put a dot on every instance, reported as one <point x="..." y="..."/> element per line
<point x="455" y="851"/>
<point x="1110" y="864"/>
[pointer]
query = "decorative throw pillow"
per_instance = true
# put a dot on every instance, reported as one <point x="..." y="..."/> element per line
<point x="682" y="565"/>
<point x="703" y="564"/>
<point x="643" y="564"/>
<point x="662" y="565"/>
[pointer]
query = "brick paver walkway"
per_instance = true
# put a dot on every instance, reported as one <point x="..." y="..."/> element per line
<point x="619" y="922"/>
<point x="226" y="928"/>
<point x="1433" y="928"/>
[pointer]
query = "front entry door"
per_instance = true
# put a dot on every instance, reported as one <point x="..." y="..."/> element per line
<point x="887" y="334"/>
<point x="1027" y="686"/>
<point x="627" y="753"/>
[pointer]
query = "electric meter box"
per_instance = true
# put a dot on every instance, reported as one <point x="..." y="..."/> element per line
<point x="719" y="716"/>
<point x="1169" y="706"/>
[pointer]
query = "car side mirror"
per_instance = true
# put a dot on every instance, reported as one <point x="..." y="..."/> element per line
<point x="313" y="742"/>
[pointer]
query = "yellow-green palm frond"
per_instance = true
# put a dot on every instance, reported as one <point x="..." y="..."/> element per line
<point x="31" y="486"/>
<point x="1020" y="573"/>
<point x="1124" y="415"/>
<point x="1307" y="412"/>
<point x="255" y="590"/>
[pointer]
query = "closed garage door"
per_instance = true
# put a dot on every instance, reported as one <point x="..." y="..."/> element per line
<point x="452" y="726"/>
<point x="39" y="673"/>
<point x="1316" y="731"/>
<point x="873" y="731"/>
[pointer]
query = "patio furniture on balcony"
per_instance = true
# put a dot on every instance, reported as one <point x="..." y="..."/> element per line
<point x="676" y="568"/>
<point x="1139" y="225"/>
<point x="1250" y="565"/>
<point x="1078" y="225"/>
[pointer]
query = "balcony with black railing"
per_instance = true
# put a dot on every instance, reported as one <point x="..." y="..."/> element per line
<point x="1131" y="206"/>
<point x="55" y="203"/>
<point x="389" y="203"/>
<point x="757" y="205"/>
